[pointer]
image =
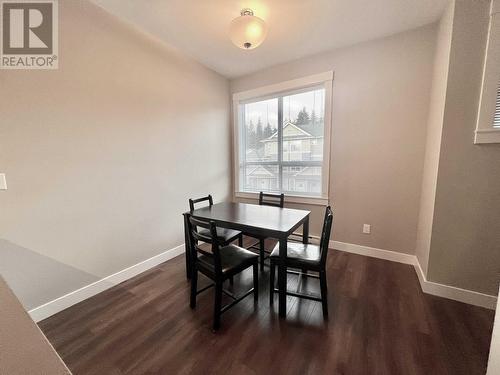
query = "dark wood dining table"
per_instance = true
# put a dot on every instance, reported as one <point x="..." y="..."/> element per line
<point x="252" y="219"/>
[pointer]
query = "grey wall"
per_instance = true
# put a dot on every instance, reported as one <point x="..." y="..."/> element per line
<point x="102" y="154"/>
<point x="37" y="278"/>
<point x="465" y="244"/>
<point x="381" y="95"/>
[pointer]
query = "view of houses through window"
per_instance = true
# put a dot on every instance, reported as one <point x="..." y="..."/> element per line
<point x="281" y="143"/>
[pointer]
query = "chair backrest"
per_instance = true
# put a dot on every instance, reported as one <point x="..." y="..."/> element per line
<point x="195" y="236"/>
<point x="192" y="202"/>
<point x="276" y="200"/>
<point x="325" y="234"/>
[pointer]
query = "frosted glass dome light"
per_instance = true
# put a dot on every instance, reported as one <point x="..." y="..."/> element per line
<point x="247" y="31"/>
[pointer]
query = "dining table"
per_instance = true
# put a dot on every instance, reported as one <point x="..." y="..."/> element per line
<point x="252" y="219"/>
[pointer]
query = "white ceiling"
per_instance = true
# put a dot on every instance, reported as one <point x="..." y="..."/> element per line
<point x="297" y="28"/>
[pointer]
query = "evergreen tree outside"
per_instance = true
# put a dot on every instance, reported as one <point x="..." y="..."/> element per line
<point x="259" y="132"/>
<point x="303" y="117"/>
<point x="314" y="118"/>
<point x="251" y="135"/>
<point x="268" y="131"/>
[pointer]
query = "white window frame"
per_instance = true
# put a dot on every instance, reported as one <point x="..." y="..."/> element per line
<point x="321" y="79"/>
<point x="485" y="132"/>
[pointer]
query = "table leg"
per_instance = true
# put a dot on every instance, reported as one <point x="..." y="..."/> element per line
<point x="187" y="247"/>
<point x="305" y="231"/>
<point x="282" y="277"/>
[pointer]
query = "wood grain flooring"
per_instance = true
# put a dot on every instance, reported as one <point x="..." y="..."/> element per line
<point x="380" y="323"/>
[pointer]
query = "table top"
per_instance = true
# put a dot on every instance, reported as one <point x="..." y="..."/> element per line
<point x="242" y="215"/>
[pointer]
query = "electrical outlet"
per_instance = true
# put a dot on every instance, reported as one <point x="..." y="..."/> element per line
<point x="367" y="228"/>
<point x="3" y="182"/>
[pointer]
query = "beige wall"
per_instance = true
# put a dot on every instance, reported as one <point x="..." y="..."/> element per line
<point x="24" y="348"/>
<point x="380" y="107"/>
<point x="465" y="245"/>
<point x="433" y="142"/>
<point x="102" y="154"/>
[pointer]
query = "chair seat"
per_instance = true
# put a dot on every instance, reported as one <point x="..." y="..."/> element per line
<point x="224" y="235"/>
<point x="299" y="253"/>
<point x="233" y="259"/>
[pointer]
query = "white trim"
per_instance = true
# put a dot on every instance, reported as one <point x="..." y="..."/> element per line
<point x="373" y="252"/>
<point x="462" y="295"/>
<point x="236" y="145"/>
<point x="485" y="132"/>
<point x="50" y="308"/>
<point x="487" y="136"/>
<point x="316" y="201"/>
<point x="276" y="88"/>
<point x="446" y="291"/>
<point x="458" y="294"/>
<point x="325" y="172"/>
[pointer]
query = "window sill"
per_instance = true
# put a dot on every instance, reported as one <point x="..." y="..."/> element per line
<point x="487" y="136"/>
<point x="317" y="201"/>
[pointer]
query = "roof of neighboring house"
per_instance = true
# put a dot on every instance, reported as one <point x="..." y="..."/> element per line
<point x="261" y="171"/>
<point x="304" y="131"/>
<point x="316" y="130"/>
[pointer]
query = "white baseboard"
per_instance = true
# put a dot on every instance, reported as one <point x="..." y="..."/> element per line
<point x="429" y="287"/>
<point x="451" y="292"/>
<point x="50" y="308"/>
<point x="462" y="295"/>
<point x="393" y="256"/>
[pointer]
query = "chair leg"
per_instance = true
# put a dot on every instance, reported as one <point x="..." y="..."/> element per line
<point x="262" y="253"/>
<point x="217" y="305"/>
<point x="240" y="240"/>
<point x="194" y="286"/>
<point x="324" y="293"/>
<point x="255" y="282"/>
<point x="271" y="284"/>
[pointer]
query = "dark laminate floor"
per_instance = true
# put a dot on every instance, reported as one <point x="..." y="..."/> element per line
<point x="380" y="323"/>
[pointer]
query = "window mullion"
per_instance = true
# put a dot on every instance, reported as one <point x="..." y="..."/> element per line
<point x="280" y="143"/>
<point x="243" y="154"/>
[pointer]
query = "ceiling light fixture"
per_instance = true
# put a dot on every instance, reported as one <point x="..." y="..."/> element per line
<point x="247" y="31"/>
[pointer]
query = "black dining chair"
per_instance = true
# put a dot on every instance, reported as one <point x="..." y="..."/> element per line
<point x="221" y="264"/>
<point x="306" y="257"/>
<point x="276" y="200"/>
<point x="266" y="199"/>
<point x="226" y="236"/>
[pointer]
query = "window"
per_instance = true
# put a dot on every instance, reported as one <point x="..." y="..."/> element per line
<point x="488" y="121"/>
<point x="282" y="138"/>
